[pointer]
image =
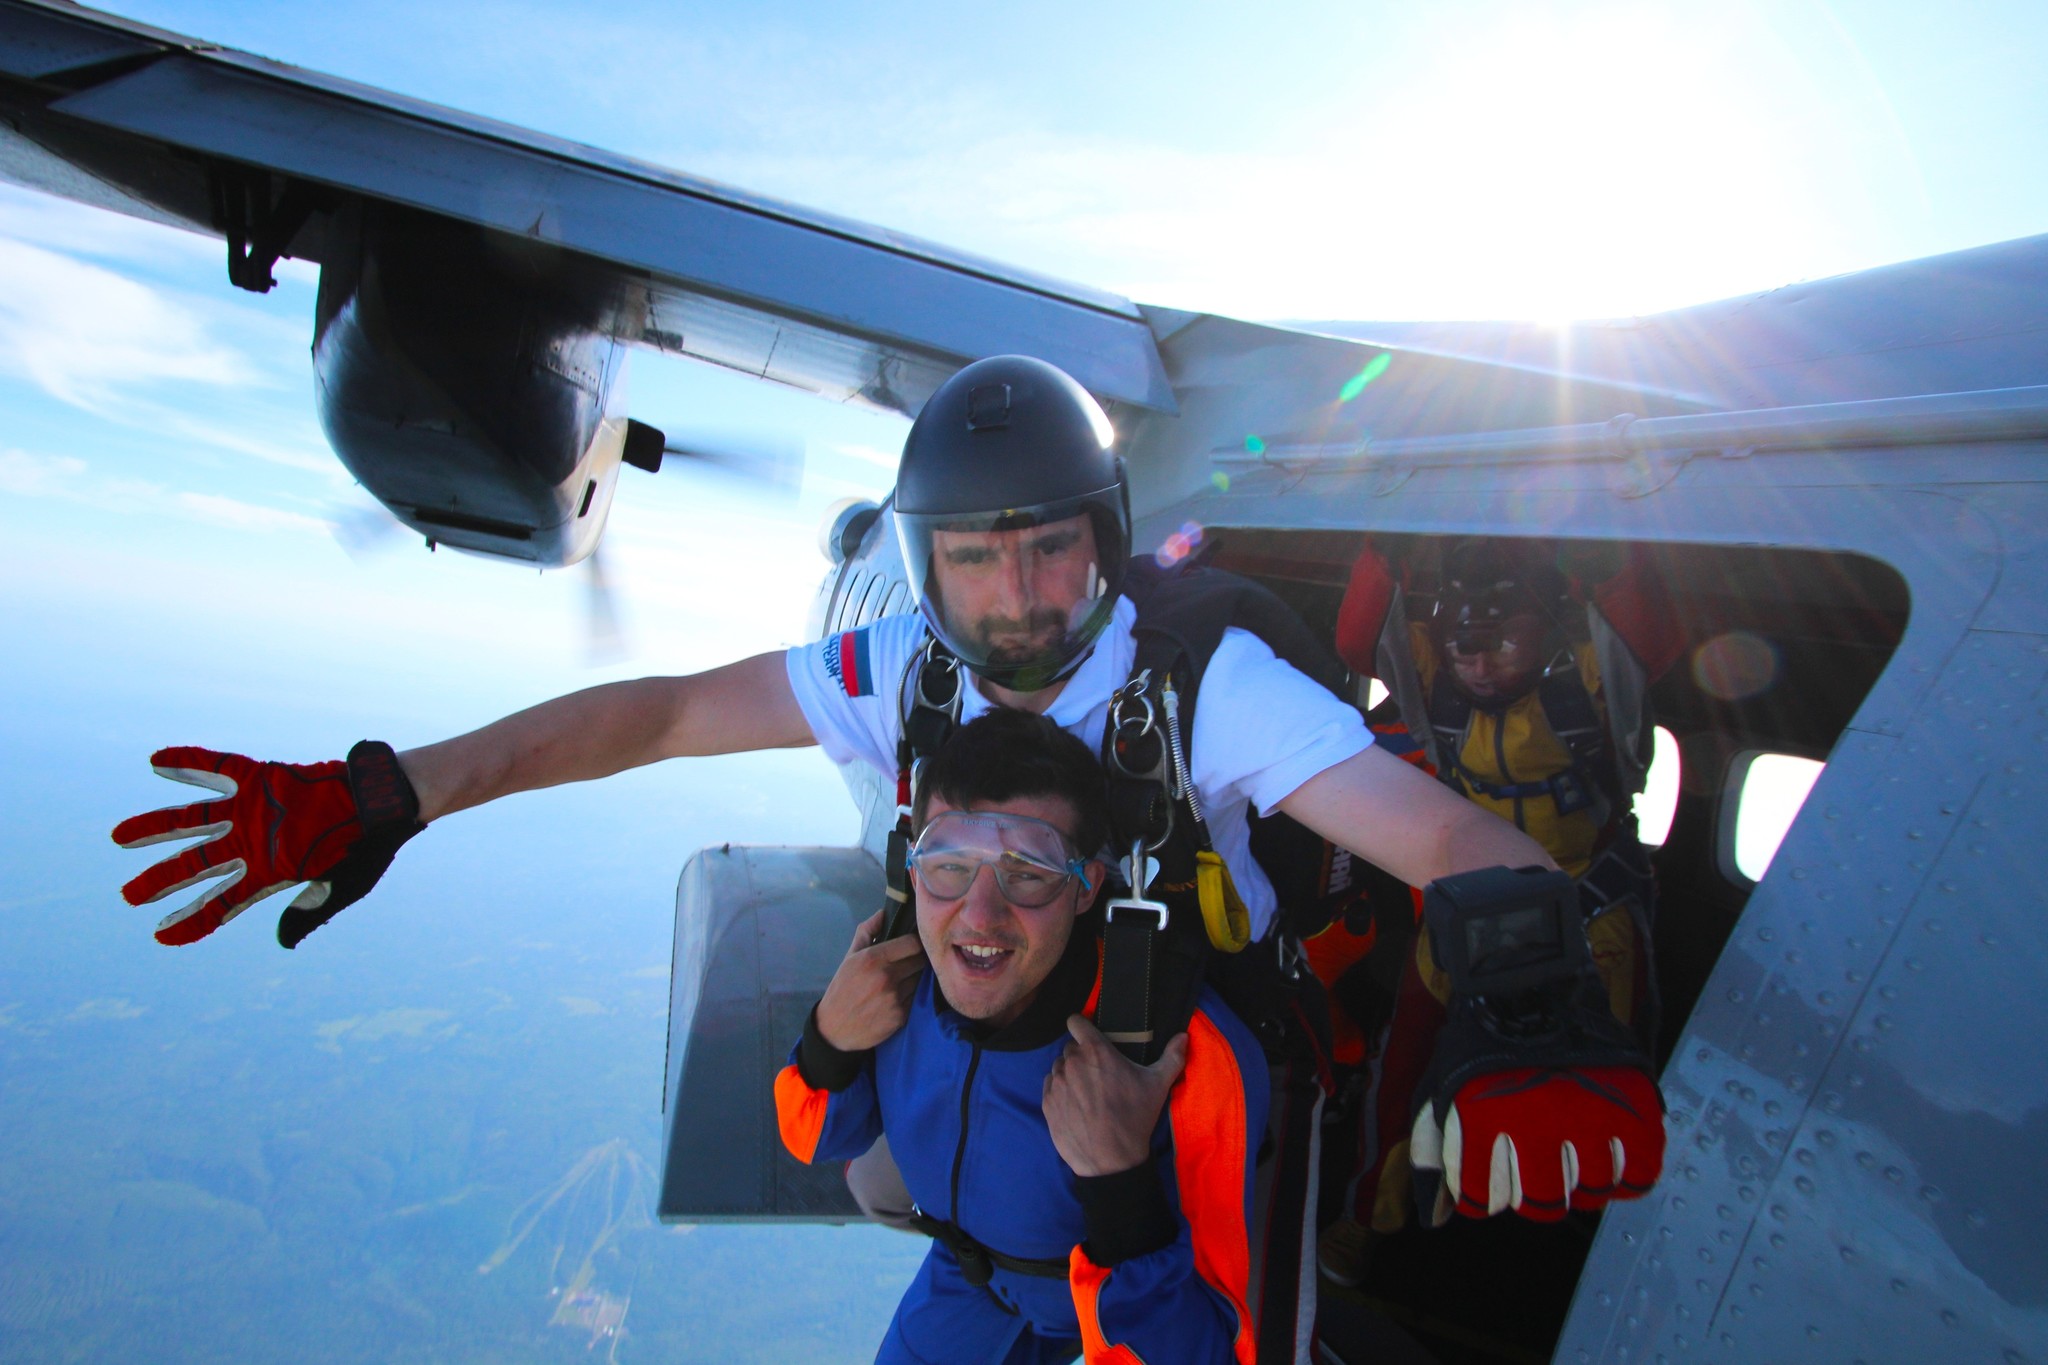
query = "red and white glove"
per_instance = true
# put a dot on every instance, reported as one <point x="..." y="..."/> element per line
<point x="1539" y="1141"/>
<point x="333" y="826"/>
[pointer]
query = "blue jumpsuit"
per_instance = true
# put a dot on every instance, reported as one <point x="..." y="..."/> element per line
<point x="1157" y="1258"/>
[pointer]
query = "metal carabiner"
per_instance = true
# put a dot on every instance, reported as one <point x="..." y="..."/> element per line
<point x="927" y="661"/>
<point x="1134" y="722"/>
<point x="1137" y="690"/>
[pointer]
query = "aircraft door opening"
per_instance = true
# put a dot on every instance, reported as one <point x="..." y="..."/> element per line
<point x="1771" y="653"/>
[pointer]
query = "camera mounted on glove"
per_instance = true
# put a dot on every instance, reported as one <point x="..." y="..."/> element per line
<point x="1537" y="1099"/>
<point x="1514" y="946"/>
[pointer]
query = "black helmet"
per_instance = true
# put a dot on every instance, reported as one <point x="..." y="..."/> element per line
<point x="1010" y="444"/>
<point x="1486" y="584"/>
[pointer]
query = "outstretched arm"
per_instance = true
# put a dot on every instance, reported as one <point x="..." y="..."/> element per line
<point x="1394" y="815"/>
<point x="603" y="730"/>
<point x="334" y="827"/>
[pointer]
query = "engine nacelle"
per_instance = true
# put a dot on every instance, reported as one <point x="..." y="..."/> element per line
<point x="472" y="381"/>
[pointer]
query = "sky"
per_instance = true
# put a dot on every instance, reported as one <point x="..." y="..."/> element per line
<point x="1481" y="158"/>
<point x="169" y="566"/>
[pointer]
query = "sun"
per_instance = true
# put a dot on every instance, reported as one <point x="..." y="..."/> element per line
<point x="1603" y="162"/>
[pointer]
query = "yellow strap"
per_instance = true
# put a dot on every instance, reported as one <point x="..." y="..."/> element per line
<point x="1223" y="913"/>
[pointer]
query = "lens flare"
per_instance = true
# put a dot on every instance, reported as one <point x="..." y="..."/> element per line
<point x="1546" y="509"/>
<point x="1736" y="665"/>
<point x="1179" y="545"/>
<point x="1374" y="368"/>
<point x="1220" y="481"/>
<point x="1254" y="445"/>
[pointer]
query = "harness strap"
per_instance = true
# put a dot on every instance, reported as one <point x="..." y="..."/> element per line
<point x="1569" y="712"/>
<point x="978" y="1263"/>
<point x="902" y="911"/>
<point x="1183" y="914"/>
<point x="928" y="694"/>
<point x="1620" y="871"/>
<point x="1505" y="791"/>
<point x="1140" y="1005"/>
<point x="1450" y="718"/>
<point x="1568" y="709"/>
<point x="1124" y="1010"/>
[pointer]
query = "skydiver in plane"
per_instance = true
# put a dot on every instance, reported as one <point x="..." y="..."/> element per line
<point x="1012" y="511"/>
<point x="1525" y="692"/>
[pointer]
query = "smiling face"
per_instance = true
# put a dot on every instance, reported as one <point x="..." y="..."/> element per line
<point x="991" y="956"/>
<point x="1013" y="596"/>
<point x="1506" y="669"/>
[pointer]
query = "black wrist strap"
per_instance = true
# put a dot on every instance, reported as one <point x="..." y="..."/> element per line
<point x="823" y="1066"/>
<point x="383" y="793"/>
<point x="1127" y="1214"/>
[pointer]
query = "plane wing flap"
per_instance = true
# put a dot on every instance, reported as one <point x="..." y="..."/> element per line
<point x="759" y="932"/>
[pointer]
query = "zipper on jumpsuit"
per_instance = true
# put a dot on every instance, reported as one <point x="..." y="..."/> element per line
<point x="960" y="1156"/>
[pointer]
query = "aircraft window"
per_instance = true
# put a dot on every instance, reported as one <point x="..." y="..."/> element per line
<point x="1657" y="802"/>
<point x="1375" y="693"/>
<point x="1770" y="788"/>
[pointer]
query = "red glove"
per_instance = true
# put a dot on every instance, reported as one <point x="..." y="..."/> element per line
<point x="1539" y="1140"/>
<point x="334" y="826"/>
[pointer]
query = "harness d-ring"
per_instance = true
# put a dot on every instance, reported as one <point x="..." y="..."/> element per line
<point x="929" y="661"/>
<point x="1133" y="718"/>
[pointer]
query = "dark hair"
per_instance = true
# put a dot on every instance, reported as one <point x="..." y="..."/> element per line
<point x="1006" y="753"/>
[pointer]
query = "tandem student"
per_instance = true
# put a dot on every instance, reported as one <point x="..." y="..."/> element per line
<point x="1077" y="1202"/>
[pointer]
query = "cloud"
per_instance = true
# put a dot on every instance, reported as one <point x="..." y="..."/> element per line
<point x="237" y="515"/>
<point x="67" y="478"/>
<point x="199" y="373"/>
<point x="82" y="230"/>
<point x="83" y="333"/>
<point x="867" y="455"/>
<point x="424" y="1024"/>
<point x="115" y="1008"/>
<point x="312" y="457"/>
<point x="39" y="476"/>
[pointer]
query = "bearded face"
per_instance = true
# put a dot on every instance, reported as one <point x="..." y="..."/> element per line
<point x="1015" y="595"/>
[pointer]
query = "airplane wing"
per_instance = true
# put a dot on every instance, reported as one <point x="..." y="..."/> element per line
<point x="133" y="118"/>
<point x="482" y="285"/>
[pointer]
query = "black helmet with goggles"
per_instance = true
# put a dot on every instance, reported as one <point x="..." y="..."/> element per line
<point x="1501" y="598"/>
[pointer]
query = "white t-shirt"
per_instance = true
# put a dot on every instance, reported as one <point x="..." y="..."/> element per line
<point x="1261" y="727"/>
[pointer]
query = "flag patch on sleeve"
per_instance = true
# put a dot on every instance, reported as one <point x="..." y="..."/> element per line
<point x="849" y="660"/>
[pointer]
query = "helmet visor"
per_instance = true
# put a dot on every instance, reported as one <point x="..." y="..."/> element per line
<point x="1018" y="594"/>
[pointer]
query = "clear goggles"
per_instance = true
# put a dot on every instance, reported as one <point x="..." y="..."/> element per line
<point x="1032" y="860"/>
<point x="1511" y="638"/>
<point x="1472" y="641"/>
